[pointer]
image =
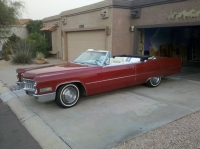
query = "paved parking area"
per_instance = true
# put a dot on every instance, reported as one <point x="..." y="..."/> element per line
<point x="102" y="121"/>
<point x="190" y="73"/>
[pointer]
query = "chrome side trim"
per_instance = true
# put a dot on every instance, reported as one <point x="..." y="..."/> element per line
<point x="94" y="82"/>
<point x="45" y="97"/>
<point x="110" y="79"/>
<point x="119" y="78"/>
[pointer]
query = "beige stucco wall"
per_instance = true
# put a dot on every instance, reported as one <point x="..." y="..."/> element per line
<point x="122" y="36"/>
<point x="156" y="15"/>
<point x="20" y="31"/>
<point x="91" y="21"/>
<point x="56" y="34"/>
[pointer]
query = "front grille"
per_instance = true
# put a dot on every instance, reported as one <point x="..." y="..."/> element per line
<point x="28" y="84"/>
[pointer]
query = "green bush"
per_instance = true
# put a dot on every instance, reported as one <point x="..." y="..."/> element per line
<point x="34" y="26"/>
<point x="8" y="44"/>
<point x="40" y="43"/>
<point x="23" y="52"/>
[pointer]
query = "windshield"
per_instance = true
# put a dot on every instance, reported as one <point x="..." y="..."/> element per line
<point x="91" y="57"/>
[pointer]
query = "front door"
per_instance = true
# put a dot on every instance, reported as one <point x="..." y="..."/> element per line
<point x="118" y="76"/>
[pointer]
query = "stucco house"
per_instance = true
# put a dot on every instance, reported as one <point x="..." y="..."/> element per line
<point x="169" y="28"/>
<point x="18" y="29"/>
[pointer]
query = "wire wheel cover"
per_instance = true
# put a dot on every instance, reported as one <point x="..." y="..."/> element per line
<point x="69" y="95"/>
<point x="155" y="80"/>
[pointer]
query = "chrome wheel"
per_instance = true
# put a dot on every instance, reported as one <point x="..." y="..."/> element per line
<point x="67" y="95"/>
<point x="154" y="81"/>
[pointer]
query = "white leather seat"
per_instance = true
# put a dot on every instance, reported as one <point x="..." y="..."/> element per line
<point x="111" y="60"/>
<point x="134" y="60"/>
<point x="118" y="60"/>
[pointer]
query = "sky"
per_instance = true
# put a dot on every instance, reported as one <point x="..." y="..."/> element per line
<point x="39" y="9"/>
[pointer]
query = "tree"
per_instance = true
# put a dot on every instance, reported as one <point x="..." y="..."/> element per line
<point x="40" y="43"/>
<point x="10" y="11"/>
<point x="34" y="26"/>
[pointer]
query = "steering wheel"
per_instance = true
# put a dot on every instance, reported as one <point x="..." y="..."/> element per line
<point x="97" y="62"/>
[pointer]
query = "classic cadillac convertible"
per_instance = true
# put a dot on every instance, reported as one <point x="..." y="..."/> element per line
<point x="93" y="72"/>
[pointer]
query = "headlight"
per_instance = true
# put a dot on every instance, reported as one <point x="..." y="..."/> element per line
<point x="35" y="85"/>
<point x="35" y="91"/>
<point x="46" y="89"/>
<point x="17" y="76"/>
<point x="22" y="77"/>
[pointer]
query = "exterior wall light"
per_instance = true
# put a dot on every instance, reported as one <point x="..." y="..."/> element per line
<point x="132" y="28"/>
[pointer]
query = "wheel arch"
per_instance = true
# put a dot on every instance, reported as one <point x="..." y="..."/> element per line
<point x="151" y="77"/>
<point x="81" y="87"/>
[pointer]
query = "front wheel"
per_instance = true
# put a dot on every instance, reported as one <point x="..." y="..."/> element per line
<point x="67" y="96"/>
<point x="153" y="81"/>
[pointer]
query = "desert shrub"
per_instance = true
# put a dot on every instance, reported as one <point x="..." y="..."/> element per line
<point x="22" y="58"/>
<point x="8" y="45"/>
<point x="22" y="52"/>
<point x="40" y="43"/>
<point x="39" y="56"/>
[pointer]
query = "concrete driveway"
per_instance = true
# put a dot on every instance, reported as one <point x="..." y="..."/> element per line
<point x="103" y="121"/>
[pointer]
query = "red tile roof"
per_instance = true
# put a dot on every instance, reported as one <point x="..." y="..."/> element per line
<point x="48" y="28"/>
<point x="24" y="21"/>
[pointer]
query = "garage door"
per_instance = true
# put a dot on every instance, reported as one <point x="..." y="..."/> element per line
<point x="80" y="41"/>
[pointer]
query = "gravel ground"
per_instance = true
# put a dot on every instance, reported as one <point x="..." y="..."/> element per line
<point x="183" y="133"/>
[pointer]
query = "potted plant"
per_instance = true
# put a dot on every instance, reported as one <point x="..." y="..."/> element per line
<point x="40" y="58"/>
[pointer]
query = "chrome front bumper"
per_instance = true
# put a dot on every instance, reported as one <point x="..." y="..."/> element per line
<point x="39" y="98"/>
<point x="45" y="97"/>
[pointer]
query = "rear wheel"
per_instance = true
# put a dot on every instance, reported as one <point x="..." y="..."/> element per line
<point x="153" y="81"/>
<point x="67" y="96"/>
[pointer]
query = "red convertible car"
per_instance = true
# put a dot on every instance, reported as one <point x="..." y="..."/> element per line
<point x="93" y="72"/>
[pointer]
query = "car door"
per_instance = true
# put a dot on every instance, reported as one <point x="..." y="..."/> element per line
<point x="118" y="76"/>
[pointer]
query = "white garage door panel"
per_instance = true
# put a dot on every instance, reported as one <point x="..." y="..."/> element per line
<point x="80" y="41"/>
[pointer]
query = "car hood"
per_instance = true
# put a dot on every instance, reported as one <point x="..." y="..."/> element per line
<point x="54" y="70"/>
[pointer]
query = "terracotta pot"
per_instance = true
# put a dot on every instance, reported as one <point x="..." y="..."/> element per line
<point x="40" y="61"/>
